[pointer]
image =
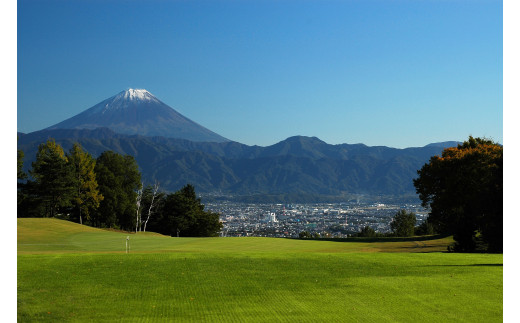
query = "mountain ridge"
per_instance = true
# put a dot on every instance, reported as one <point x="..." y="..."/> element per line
<point x="174" y="150"/>
<point x="298" y="164"/>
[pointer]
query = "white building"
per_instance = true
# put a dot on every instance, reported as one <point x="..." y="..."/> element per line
<point x="271" y="217"/>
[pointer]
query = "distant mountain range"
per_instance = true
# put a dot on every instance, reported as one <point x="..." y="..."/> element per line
<point x="175" y="151"/>
<point x="295" y="165"/>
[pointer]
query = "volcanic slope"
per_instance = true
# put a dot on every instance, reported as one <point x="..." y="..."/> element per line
<point x="138" y="112"/>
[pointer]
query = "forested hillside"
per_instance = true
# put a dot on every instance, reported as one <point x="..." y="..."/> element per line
<point x="298" y="164"/>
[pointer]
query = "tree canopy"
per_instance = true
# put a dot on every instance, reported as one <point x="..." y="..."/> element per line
<point x="403" y="223"/>
<point x="103" y="192"/>
<point x="183" y="214"/>
<point x="20" y="174"/>
<point x="52" y="173"/>
<point x="86" y="194"/>
<point x="367" y="231"/>
<point x="464" y="188"/>
<point x="118" y="178"/>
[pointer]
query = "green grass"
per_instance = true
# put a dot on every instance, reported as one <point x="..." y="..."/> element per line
<point x="76" y="273"/>
<point x="52" y="236"/>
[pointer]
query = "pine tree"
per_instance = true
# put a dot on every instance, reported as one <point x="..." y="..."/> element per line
<point x="119" y="178"/>
<point x="20" y="194"/>
<point x="86" y="193"/>
<point x="20" y="174"/>
<point x="53" y="185"/>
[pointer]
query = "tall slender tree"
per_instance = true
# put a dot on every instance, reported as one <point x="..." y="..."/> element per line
<point x="53" y="184"/>
<point x="20" y="174"/>
<point x="86" y="193"/>
<point x="21" y="194"/>
<point x="119" y="179"/>
<point x="138" y="199"/>
<point x="155" y="194"/>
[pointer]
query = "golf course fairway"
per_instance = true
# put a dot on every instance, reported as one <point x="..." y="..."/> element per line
<point x="69" y="272"/>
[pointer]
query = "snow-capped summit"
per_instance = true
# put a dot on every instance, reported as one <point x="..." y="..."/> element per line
<point x="135" y="94"/>
<point x="124" y="100"/>
<point x="139" y="112"/>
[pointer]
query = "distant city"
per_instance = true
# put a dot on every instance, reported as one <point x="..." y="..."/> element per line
<point x="328" y="220"/>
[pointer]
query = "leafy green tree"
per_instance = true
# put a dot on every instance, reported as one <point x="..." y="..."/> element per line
<point x="305" y="235"/>
<point x="53" y="180"/>
<point x="21" y="194"/>
<point x="367" y="231"/>
<point x="118" y="178"/>
<point x="21" y="175"/>
<point x="86" y="193"/>
<point x="183" y="215"/>
<point x="464" y="190"/>
<point x="425" y="228"/>
<point x="403" y="223"/>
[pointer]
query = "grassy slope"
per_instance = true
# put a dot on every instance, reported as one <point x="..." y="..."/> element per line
<point x="78" y="273"/>
<point x="51" y="236"/>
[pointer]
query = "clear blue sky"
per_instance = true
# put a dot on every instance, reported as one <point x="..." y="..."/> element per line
<point x="391" y="72"/>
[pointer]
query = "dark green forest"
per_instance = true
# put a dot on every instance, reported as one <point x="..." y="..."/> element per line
<point x="106" y="192"/>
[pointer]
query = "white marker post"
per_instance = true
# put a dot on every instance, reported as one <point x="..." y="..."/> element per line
<point x="127" y="243"/>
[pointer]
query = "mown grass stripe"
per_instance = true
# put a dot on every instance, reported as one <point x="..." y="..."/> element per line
<point x="248" y="280"/>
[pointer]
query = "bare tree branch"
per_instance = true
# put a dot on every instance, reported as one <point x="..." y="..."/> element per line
<point x="138" y="203"/>
<point x="155" y="190"/>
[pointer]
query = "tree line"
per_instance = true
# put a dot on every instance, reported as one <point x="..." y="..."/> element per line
<point x="403" y="224"/>
<point x="106" y="192"/>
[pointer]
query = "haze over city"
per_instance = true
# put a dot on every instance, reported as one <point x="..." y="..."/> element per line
<point x="398" y="73"/>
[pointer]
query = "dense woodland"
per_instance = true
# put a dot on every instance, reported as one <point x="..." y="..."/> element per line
<point x="107" y="192"/>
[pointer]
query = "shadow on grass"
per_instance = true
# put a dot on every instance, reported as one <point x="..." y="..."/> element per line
<point x="469" y="265"/>
<point x="380" y="239"/>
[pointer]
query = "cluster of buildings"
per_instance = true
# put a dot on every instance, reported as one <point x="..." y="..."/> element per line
<point x="323" y="219"/>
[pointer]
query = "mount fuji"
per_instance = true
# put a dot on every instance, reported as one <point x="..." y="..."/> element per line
<point x="174" y="150"/>
<point x="138" y="112"/>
